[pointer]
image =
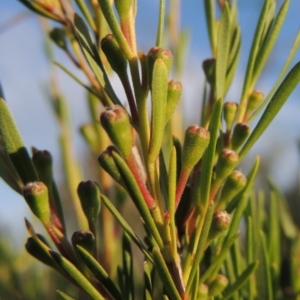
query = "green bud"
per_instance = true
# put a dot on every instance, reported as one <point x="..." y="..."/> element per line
<point x="202" y="292"/>
<point x="89" y="195"/>
<point x="217" y="286"/>
<point x="107" y="162"/>
<point x="114" y="55"/>
<point x="42" y="161"/>
<point x="227" y="160"/>
<point x="39" y="249"/>
<point x="85" y="239"/>
<point x="58" y="36"/>
<point x="229" y="113"/>
<point x="254" y="101"/>
<point x="235" y="182"/>
<point x="174" y="94"/>
<point x="196" y="140"/>
<point x="123" y="7"/>
<point x="116" y="123"/>
<point x="209" y="68"/>
<point x="154" y="54"/>
<point x="36" y="196"/>
<point x="241" y="132"/>
<point x="220" y="223"/>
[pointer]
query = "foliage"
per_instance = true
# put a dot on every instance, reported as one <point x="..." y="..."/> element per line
<point x="187" y="190"/>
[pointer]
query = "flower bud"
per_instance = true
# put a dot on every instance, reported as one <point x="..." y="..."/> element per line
<point x="155" y="53"/>
<point x="217" y="286"/>
<point x="116" y="123"/>
<point x="84" y="239"/>
<point x="89" y="195"/>
<point x="235" y="182"/>
<point x="220" y="222"/>
<point x="240" y="133"/>
<point x="254" y="101"/>
<point x="58" y="36"/>
<point x="39" y="250"/>
<point x="202" y="292"/>
<point x="209" y="68"/>
<point x="174" y="94"/>
<point x="229" y="113"/>
<point x="36" y="196"/>
<point x="227" y="160"/>
<point x="195" y="143"/>
<point x="107" y="162"/>
<point x="114" y="55"/>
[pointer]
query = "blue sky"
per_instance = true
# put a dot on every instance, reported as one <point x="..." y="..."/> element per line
<point x="24" y="71"/>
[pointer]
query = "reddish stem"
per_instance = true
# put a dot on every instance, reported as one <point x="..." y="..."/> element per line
<point x="147" y="197"/>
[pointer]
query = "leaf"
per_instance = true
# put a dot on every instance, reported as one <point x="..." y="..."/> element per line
<point x="164" y="274"/>
<point x="64" y="296"/>
<point x="211" y="23"/>
<point x="209" y="155"/>
<point x="90" y="51"/>
<point x="159" y="92"/>
<point x="99" y="272"/>
<point x="224" y="33"/>
<point x="267" y="46"/>
<point x="240" y="281"/>
<point x="251" y="60"/>
<point x="12" y="142"/>
<point x="76" y="275"/>
<point x="263" y="272"/>
<point x="72" y="75"/>
<point x="128" y="267"/>
<point x="279" y="98"/>
<point x="125" y="225"/>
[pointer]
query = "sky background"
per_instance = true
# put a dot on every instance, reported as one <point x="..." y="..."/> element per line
<point x="24" y="71"/>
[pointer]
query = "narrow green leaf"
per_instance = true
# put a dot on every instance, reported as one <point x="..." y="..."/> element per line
<point x="64" y="296"/>
<point x="209" y="155"/>
<point x="266" y="48"/>
<point x="125" y="225"/>
<point x="161" y="21"/>
<point x="128" y="267"/>
<point x="263" y="272"/>
<point x="251" y="60"/>
<point x="99" y="272"/>
<point x="72" y="75"/>
<point x="159" y="92"/>
<point x="274" y="234"/>
<point x="240" y="281"/>
<point x="164" y="274"/>
<point x="14" y="146"/>
<point x="91" y="53"/>
<point x="8" y="172"/>
<point x="243" y="198"/>
<point x="235" y="51"/>
<point x="195" y="286"/>
<point x="214" y="268"/>
<point x="83" y="8"/>
<point x="291" y="55"/>
<point x="281" y="95"/>
<point x="289" y="228"/>
<point x="76" y="275"/>
<point x="211" y="24"/>
<point x="111" y="20"/>
<point x="201" y="245"/>
<point x="148" y="268"/>
<point x="224" y="33"/>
